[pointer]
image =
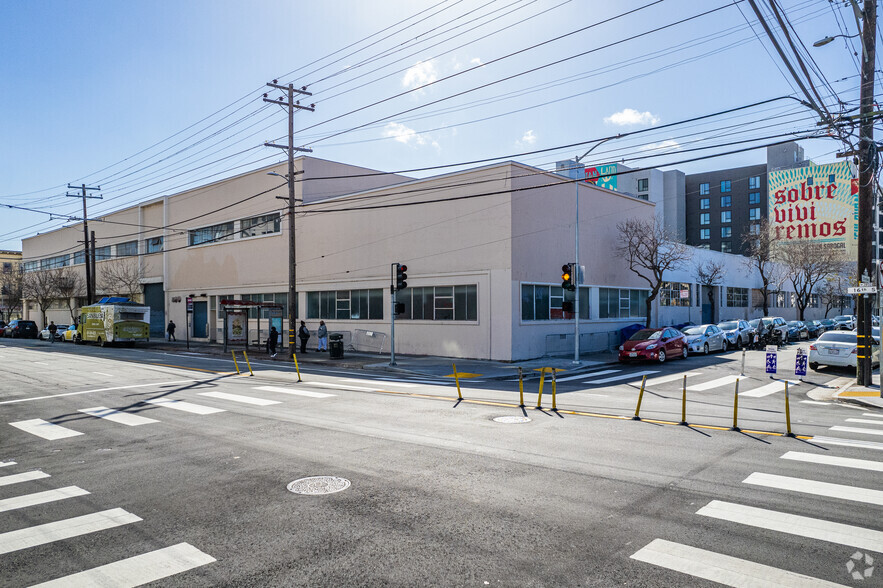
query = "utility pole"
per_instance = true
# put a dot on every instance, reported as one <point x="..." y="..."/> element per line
<point x="90" y="291"/>
<point x="91" y="263"/>
<point x="291" y="105"/>
<point x="866" y="188"/>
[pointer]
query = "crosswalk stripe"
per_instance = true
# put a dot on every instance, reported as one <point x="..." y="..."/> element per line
<point x="772" y="388"/>
<point x="587" y="375"/>
<point x="865" y="421"/>
<point x="49" y="532"/>
<point x="623" y="377"/>
<point x="847" y="462"/>
<point x="848" y="442"/>
<point x="720" y="568"/>
<point x="137" y="570"/>
<point x="185" y="406"/>
<point x="36" y="498"/>
<point x="4" y="464"/>
<point x="666" y="379"/>
<point x="857" y="430"/>
<point x="815" y="402"/>
<point x="714" y="383"/>
<point x="116" y="416"/>
<point x="343" y="387"/>
<point x="306" y="393"/>
<point x="44" y="429"/>
<point x="794" y="525"/>
<point x="871" y="414"/>
<point x="816" y="488"/>
<point x="385" y="383"/>
<point x="23" y="477"/>
<point x="238" y="398"/>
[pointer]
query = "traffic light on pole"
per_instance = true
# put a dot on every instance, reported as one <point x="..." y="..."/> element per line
<point x="401" y="276"/>
<point x="567" y="279"/>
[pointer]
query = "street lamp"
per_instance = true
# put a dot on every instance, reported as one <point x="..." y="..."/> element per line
<point x="826" y="40"/>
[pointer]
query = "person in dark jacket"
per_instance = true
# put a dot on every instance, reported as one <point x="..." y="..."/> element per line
<point x="53" y="328"/>
<point x="304" y="334"/>
<point x="271" y="341"/>
<point x="171" y="330"/>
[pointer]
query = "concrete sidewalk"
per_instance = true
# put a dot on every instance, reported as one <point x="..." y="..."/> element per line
<point x="864" y="395"/>
<point x="422" y="365"/>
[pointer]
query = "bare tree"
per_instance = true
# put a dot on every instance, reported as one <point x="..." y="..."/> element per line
<point x="11" y="292"/>
<point x="69" y="286"/>
<point x="759" y="256"/>
<point x="650" y="250"/>
<point x="710" y="274"/>
<point x="40" y="287"/>
<point x="122" y="277"/>
<point x="807" y="264"/>
<point x="833" y="292"/>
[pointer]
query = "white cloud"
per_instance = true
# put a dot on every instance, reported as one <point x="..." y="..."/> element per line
<point x="422" y="73"/>
<point x="475" y="61"/>
<point x="630" y="116"/>
<point x="409" y="136"/>
<point x="665" y="146"/>
<point x="528" y="138"/>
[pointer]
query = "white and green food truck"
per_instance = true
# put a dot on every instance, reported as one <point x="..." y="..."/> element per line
<point x="114" y="322"/>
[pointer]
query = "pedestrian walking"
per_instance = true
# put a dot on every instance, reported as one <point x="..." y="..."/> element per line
<point x="322" y="333"/>
<point x="53" y="328"/>
<point x="304" y="334"/>
<point x="171" y="330"/>
<point x="271" y="341"/>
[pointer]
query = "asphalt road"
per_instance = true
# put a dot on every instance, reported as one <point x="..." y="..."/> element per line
<point x="131" y="466"/>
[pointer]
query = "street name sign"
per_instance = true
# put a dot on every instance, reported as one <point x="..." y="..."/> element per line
<point x="862" y="290"/>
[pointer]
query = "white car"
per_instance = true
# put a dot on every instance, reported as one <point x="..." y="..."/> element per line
<point x="845" y="322"/>
<point x="59" y="334"/>
<point x="705" y="338"/>
<point x="838" y="348"/>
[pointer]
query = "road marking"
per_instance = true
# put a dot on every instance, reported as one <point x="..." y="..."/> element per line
<point x="103" y="374"/>
<point x="846" y="462"/>
<point x="623" y="377"/>
<point x="44" y="429"/>
<point x="666" y="379"/>
<point x="238" y="398"/>
<point x="794" y="525"/>
<point x="816" y="402"/>
<point x="342" y="387"/>
<point x="36" y="498"/>
<point x="385" y="382"/>
<point x="42" y="534"/>
<point x="99" y="390"/>
<point x="306" y="393"/>
<point x="116" y="416"/>
<point x="185" y="406"/>
<point x="772" y="388"/>
<point x="865" y="421"/>
<point x="856" y="430"/>
<point x="714" y="383"/>
<point x="847" y="442"/>
<point x="588" y="375"/>
<point x="23" y="477"/>
<point x="40" y="362"/>
<point x="816" y="488"/>
<point x="3" y="464"/>
<point x="137" y="570"/>
<point x="871" y="414"/>
<point x="720" y="568"/>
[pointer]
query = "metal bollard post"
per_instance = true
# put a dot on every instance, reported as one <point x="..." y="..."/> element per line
<point x="248" y="363"/>
<point x="742" y="373"/>
<point x="540" y="394"/>
<point x="637" y="416"/>
<point x="236" y="365"/>
<point x="294" y="357"/>
<point x="735" y="426"/>
<point x="457" y="380"/>
<point x="554" y="391"/>
<point x="787" y="412"/>
<point x="520" y="387"/>
<point x="684" y="404"/>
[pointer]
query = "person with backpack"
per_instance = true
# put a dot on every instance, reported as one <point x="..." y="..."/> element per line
<point x="304" y="334"/>
<point x="171" y="330"/>
<point x="271" y="341"/>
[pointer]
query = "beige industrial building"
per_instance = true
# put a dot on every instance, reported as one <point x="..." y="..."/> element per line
<point x="484" y="249"/>
<point x="10" y="262"/>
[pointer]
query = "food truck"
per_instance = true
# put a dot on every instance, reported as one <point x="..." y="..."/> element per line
<point x="114" y="320"/>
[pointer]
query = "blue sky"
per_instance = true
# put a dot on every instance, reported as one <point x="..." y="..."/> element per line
<point x="101" y="92"/>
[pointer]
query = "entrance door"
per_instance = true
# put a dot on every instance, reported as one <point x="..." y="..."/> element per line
<point x="707" y="307"/>
<point x="154" y="297"/>
<point x="200" y="320"/>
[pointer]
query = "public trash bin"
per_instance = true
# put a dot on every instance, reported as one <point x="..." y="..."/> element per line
<point x="335" y="345"/>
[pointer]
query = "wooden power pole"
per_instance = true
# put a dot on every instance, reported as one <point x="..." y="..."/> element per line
<point x="90" y="279"/>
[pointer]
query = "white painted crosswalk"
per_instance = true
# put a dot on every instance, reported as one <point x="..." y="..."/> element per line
<point x="846" y="462"/>
<point x="45" y="429"/>
<point x="865" y="422"/>
<point x="858" y="430"/>
<point x="26" y="500"/>
<point x="115" y="416"/>
<point x="716" y="383"/>
<point x="817" y="488"/>
<point x="4" y="464"/>
<point x="294" y="392"/>
<point x="621" y="377"/>
<point x="586" y="375"/>
<point x="768" y="389"/>
<point x="65" y="529"/>
<point x="666" y="379"/>
<point x="184" y="406"/>
<point x="240" y="398"/>
<point x="23" y="477"/>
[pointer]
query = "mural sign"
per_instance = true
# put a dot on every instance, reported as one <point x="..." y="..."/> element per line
<point x="602" y="176"/>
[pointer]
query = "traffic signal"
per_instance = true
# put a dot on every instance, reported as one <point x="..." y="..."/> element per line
<point x="567" y="279"/>
<point x="401" y="276"/>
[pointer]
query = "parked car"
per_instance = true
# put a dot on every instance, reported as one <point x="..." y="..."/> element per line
<point x="705" y="338"/>
<point x="59" y="334"/>
<point x="737" y="332"/>
<point x="654" y="345"/>
<point x="839" y="348"/>
<point x="829" y="324"/>
<point x="21" y="329"/>
<point x="797" y="331"/>
<point x="814" y="328"/>
<point x="776" y="324"/>
<point x="845" y="322"/>
<point x="69" y="333"/>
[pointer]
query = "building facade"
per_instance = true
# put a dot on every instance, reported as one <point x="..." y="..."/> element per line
<point x="10" y="302"/>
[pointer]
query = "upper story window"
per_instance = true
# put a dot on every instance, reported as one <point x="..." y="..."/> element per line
<point x="643" y="184"/>
<point x="127" y="249"/>
<point x="153" y="244"/>
<point x="725" y="185"/>
<point x="726" y="216"/>
<point x="704" y="203"/>
<point x="753" y="214"/>
<point x="7" y="267"/>
<point x="754" y="198"/>
<point x="260" y="225"/>
<point x="79" y="257"/>
<point x="53" y="262"/>
<point x="704" y="189"/>
<point x="754" y="183"/>
<point x="725" y="201"/>
<point x="102" y="253"/>
<point x="726" y="232"/>
<point x="30" y="266"/>
<point x="726" y="247"/>
<point x="705" y="234"/>
<point x="704" y="218"/>
<point x="212" y="234"/>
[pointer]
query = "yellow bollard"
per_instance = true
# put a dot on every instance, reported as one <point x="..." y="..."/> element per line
<point x="236" y="365"/>
<point x="684" y="404"/>
<point x="457" y="379"/>
<point x="787" y="412"/>
<point x="637" y="416"/>
<point x="248" y="363"/>
<point x="735" y="426"/>
<point x="540" y="394"/>
<point x="554" y="391"/>
<point x="520" y="388"/>
<point x="294" y="357"/>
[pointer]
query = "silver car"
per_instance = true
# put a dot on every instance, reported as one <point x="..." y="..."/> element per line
<point x="845" y="322"/>
<point x="737" y="332"/>
<point x="705" y="338"/>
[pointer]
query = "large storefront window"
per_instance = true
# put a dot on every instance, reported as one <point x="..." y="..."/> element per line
<point x="737" y="297"/>
<point x="345" y="304"/>
<point x="621" y="303"/>
<point x="675" y="294"/>
<point x="439" y="303"/>
<point x="540" y="302"/>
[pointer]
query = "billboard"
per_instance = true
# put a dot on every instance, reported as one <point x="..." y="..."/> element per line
<point x="601" y="176"/>
<point x="815" y="203"/>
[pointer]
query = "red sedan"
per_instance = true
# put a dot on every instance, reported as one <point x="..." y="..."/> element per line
<point x="654" y="345"/>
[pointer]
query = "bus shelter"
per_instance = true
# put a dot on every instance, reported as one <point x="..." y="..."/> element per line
<point x="237" y="321"/>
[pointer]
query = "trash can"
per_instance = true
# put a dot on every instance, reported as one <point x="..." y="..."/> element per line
<point x="335" y="345"/>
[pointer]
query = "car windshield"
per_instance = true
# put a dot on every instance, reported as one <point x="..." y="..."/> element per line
<point x="694" y="331"/>
<point x="838" y="337"/>
<point x="728" y="326"/>
<point x="754" y="322"/>
<point x="797" y="324"/>
<point x="646" y="335"/>
<point x="841" y="318"/>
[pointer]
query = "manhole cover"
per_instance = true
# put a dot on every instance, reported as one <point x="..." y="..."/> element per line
<point x="510" y="420"/>
<point x="316" y="485"/>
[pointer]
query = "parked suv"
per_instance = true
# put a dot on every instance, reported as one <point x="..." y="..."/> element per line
<point x="21" y="329"/>
<point x="738" y="332"/>
<point x="845" y="322"/>
<point x="777" y="324"/>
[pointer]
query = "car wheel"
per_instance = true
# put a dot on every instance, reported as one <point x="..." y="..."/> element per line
<point x="739" y="343"/>
<point x="813" y="366"/>
<point x="684" y="352"/>
<point x="661" y="356"/>
<point x="705" y="349"/>
<point x="100" y="342"/>
<point x="40" y="337"/>
<point x="725" y="346"/>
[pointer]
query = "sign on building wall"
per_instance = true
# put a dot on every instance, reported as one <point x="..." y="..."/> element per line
<point x="601" y="176"/>
<point x="815" y="203"/>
